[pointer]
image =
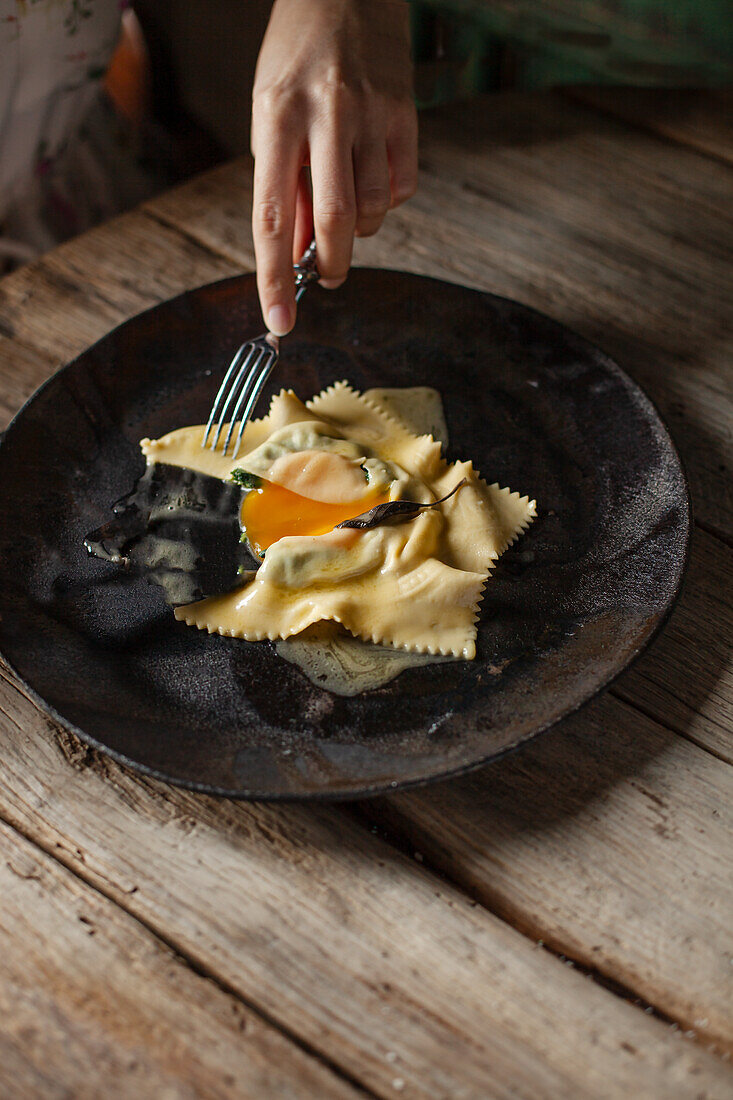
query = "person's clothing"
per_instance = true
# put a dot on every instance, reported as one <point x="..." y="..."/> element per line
<point x="65" y="160"/>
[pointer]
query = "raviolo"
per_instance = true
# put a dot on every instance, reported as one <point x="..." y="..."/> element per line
<point x="410" y="587"/>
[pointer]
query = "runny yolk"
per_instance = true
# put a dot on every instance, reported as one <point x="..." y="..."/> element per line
<point x="273" y="512"/>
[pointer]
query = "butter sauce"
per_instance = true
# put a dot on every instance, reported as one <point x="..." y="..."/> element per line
<point x="340" y="663"/>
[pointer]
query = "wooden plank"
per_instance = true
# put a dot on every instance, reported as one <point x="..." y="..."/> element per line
<point x="686" y="678"/>
<point x="214" y="209"/>
<point x="531" y="254"/>
<point x="340" y="938"/>
<point x="63" y="302"/>
<point x="609" y="839"/>
<point x="622" y="236"/>
<point x="21" y="372"/>
<point x="91" y="1004"/>
<point x="699" y="118"/>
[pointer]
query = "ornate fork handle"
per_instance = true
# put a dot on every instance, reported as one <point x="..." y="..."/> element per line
<point x="306" y="270"/>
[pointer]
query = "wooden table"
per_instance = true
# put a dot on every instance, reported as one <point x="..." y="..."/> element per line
<point x="556" y="925"/>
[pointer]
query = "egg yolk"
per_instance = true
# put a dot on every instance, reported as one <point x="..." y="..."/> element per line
<point x="273" y="512"/>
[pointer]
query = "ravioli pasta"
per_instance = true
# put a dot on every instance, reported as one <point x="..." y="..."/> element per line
<point x="414" y="586"/>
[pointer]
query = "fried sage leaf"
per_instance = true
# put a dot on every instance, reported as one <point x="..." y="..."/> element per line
<point x="395" y="509"/>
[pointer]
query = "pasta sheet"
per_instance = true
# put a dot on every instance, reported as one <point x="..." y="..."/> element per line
<point x="415" y="585"/>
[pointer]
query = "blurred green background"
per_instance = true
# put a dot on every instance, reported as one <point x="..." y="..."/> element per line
<point x="467" y="46"/>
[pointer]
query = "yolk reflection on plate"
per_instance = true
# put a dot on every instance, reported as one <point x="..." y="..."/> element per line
<point x="273" y="512"/>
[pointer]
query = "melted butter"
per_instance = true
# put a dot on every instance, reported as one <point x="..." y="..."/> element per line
<point x="338" y="662"/>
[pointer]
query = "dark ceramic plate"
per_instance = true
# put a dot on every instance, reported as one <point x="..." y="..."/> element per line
<point x="534" y="406"/>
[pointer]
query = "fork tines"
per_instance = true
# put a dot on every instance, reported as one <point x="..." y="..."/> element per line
<point x="240" y="390"/>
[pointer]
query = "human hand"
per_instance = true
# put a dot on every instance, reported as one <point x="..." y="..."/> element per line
<point x="333" y="90"/>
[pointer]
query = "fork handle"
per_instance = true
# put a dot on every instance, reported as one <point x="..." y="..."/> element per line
<point x="306" y="270"/>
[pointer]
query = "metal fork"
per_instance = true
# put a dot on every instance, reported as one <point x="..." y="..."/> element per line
<point x="250" y="368"/>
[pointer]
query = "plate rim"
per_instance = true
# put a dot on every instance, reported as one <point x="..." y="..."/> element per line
<point x="380" y="788"/>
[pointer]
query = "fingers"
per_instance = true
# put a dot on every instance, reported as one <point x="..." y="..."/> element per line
<point x="277" y="166"/>
<point x="334" y="197"/>
<point x="361" y="164"/>
<point x="303" y="216"/>
<point x="402" y="153"/>
<point x="371" y="174"/>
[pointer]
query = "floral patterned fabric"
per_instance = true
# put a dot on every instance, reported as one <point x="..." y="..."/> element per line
<point x="61" y="158"/>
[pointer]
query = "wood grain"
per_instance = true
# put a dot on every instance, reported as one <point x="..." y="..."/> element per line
<point x="623" y="236"/>
<point x="214" y="209"/>
<point x="699" y="118"/>
<point x="685" y="680"/>
<point x="606" y="839"/>
<point x="337" y="936"/>
<point x="92" y="1004"/>
<point x="73" y="296"/>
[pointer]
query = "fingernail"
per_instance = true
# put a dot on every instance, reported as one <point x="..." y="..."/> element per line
<point x="331" y="284"/>
<point x="280" y="320"/>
